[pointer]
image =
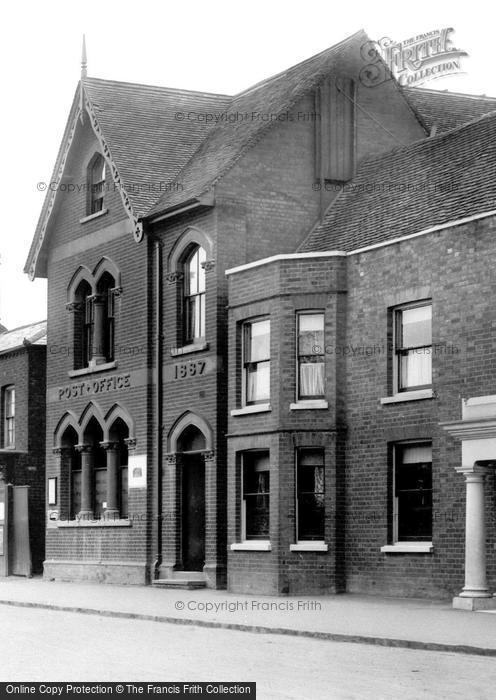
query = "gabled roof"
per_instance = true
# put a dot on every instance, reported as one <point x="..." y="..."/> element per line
<point x="405" y="191"/>
<point x="32" y="334"/>
<point x="228" y="140"/>
<point x="447" y="110"/>
<point x="143" y="142"/>
<point x="149" y="143"/>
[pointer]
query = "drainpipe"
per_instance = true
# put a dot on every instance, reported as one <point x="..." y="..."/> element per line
<point x="158" y="407"/>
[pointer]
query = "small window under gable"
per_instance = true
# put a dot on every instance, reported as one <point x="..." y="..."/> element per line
<point x="335" y="129"/>
<point x="96" y="183"/>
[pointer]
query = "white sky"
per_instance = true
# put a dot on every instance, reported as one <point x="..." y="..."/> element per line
<point x="215" y="45"/>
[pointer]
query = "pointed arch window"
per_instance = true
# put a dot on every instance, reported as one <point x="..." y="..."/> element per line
<point x="83" y="326"/>
<point x="194" y="295"/>
<point x="96" y="183"/>
<point x="106" y="294"/>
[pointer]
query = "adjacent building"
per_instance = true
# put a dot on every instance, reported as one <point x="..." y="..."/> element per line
<point x="265" y="314"/>
<point x="22" y="449"/>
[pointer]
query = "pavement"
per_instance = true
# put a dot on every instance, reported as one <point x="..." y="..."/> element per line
<point x="394" y="622"/>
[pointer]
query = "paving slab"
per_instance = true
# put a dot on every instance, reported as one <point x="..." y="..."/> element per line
<point x="407" y="622"/>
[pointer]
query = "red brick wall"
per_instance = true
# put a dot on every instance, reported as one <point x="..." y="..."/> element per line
<point x="25" y="465"/>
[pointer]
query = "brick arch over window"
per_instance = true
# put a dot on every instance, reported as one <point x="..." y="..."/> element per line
<point x="119" y="412"/>
<point x="109" y="266"/>
<point x="189" y="239"/>
<point x="68" y="420"/>
<point x="92" y="411"/>
<point x="187" y="420"/>
<point x="91" y="298"/>
<point x="82" y="274"/>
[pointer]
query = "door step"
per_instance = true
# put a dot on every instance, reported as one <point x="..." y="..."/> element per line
<point x="189" y="580"/>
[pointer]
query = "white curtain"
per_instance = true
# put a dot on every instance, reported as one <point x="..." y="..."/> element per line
<point x="312" y="379"/>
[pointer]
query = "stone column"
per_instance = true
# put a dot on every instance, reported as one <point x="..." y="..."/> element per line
<point x="86" y="512"/>
<point x="213" y="569"/>
<point x="475" y="591"/>
<point x="98" y="349"/>
<point x="112" y="450"/>
<point x="64" y="455"/>
<point x="171" y="512"/>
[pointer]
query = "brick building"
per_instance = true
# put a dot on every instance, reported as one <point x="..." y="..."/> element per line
<point x="204" y="254"/>
<point x="22" y="450"/>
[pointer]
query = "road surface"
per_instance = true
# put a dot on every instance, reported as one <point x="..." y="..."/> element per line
<point x="44" y="645"/>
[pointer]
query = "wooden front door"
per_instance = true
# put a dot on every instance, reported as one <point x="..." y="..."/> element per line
<point x="193" y="512"/>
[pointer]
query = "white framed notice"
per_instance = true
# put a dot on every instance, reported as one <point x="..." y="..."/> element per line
<point x="137" y="471"/>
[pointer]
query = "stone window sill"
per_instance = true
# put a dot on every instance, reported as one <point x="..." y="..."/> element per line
<point x="409" y="396"/>
<point x="90" y="217"/>
<point x="252" y="546"/>
<point x="246" y="410"/>
<point x="92" y="369"/>
<point x="12" y="451"/>
<point x="94" y="523"/>
<point x="188" y="349"/>
<point x="310" y="404"/>
<point x="308" y="547"/>
<point x="408" y="548"/>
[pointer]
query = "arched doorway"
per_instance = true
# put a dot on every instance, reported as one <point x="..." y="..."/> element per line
<point x="191" y="445"/>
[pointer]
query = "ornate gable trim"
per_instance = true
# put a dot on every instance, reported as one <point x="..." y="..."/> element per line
<point x="57" y="177"/>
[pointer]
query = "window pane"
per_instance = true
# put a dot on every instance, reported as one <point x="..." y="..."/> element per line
<point x="310" y="494"/>
<point x="311" y="334"/>
<point x="311" y="516"/>
<point x="124" y="493"/>
<point x="75" y="493"/>
<point x="311" y="379"/>
<point x="257" y="517"/>
<point x="310" y="479"/>
<point x="202" y="256"/>
<point x="416" y="327"/>
<point x="191" y="317"/>
<point x="100" y="491"/>
<point x="258" y="382"/>
<point x="192" y="274"/>
<point x="413" y="454"/>
<point x="413" y="482"/>
<point x="202" y="315"/>
<point x="416" y="368"/>
<point x="415" y="516"/>
<point x="259" y="341"/>
<point x="256" y="488"/>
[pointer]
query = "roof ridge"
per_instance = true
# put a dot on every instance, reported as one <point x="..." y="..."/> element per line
<point x="160" y="88"/>
<point x="427" y="140"/>
<point x="265" y="81"/>
<point x="419" y="89"/>
<point x="26" y="325"/>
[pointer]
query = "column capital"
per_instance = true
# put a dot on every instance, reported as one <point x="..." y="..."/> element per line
<point x="97" y="298"/>
<point x="130" y="443"/>
<point x="83" y="449"/>
<point x="208" y="455"/>
<point x="109" y="445"/>
<point x="62" y="450"/>
<point x="474" y="472"/>
<point x="208" y="265"/>
<point x="175" y="276"/>
<point x="74" y="306"/>
<point x="170" y="458"/>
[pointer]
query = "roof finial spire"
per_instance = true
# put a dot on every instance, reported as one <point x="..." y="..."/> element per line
<point x="84" y="62"/>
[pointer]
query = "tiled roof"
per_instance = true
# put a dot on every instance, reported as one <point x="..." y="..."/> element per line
<point x="447" y="110"/>
<point x="32" y="334"/>
<point x="148" y="143"/>
<point x="412" y="188"/>
<point x="228" y="140"/>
